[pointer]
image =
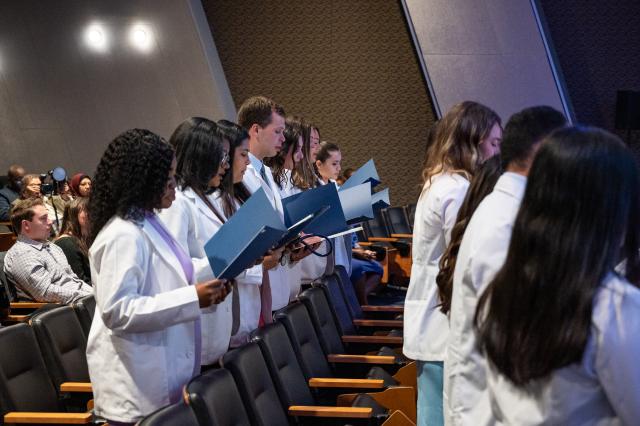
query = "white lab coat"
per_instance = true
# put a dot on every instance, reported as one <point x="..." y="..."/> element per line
<point x="283" y="280"/>
<point x="426" y="328"/>
<point x="248" y="284"/>
<point x="141" y="345"/>
<point x="602" y="389"/>
<point x="482" y="253"/>
<point x="192" y="224"/>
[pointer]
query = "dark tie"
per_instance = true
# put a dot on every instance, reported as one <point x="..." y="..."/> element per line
<point x="263" y="174"/>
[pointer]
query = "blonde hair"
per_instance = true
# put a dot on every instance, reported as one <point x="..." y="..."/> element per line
<point x="455" y="144"/>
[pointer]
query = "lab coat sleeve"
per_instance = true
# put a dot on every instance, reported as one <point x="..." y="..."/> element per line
<point x="128" y="301"/>
<point x="618" y="345"/>
<point x="450" y="206"/>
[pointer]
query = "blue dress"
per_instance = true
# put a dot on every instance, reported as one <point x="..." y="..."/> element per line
<point x="360" y="267"/>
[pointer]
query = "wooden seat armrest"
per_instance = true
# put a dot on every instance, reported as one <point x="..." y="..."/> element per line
<point x="378" y="323"/>
<point x="364" y="243"/>
<point x="361" y="359"/>
<point x="370" y="308"/>
<point x="27" y="305"/>
<point x="76" y="387"/>
<point x="402" y="235"/>
<point x="17" y="318"/>
<point x="384" y="340"/>
<point x="400" y="398"/>
<point x="321" y="382"/>
<point x="48" y="418"/>
<point x="382" y="239"/>
<point x="322" y="411"/>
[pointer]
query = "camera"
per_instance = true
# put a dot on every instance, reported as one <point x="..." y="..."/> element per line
<point x="57" y="175"/>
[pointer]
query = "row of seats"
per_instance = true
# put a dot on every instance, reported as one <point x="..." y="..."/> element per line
<point x="49" y="353"/>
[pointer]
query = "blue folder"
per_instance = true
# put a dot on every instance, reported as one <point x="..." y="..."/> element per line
<point x="380" y="200"/>
<point x="247" y="235"/>
<point x="366" y="173"/>
<point x="298" y="206"/>
<point x="356" y="203"/>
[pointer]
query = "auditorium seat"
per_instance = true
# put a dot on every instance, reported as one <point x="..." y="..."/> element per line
<point x="214" y="398"/>
<point x="85" y="308"/>
<point x="27" y="394"/>
<point x="171" y="415"/>
<point x="397" y="222"/>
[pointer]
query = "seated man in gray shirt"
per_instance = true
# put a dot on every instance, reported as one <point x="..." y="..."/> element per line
<point x="39" y="269"/>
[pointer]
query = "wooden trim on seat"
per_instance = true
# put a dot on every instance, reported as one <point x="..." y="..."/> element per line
<point x="48" y="418"/>
<point x="384" y="340"/>
<point x="388" y="308"/>
<point x="76" y="387"/>
<point x="402" y="235"/>
<point x="378" y="323"/>
<point x="398" y="418"/>
<point x="27" y="305"/>
<point x="382" y="239"/>
<point x="362" y="359"/>
<point x="318" y="382"/>
<point x="322" y="411"/>
<point x="400" y="398"/>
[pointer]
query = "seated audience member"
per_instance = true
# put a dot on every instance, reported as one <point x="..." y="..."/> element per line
<point x="61" y="197"/>
<point x="73" y="238"/>
<point x="32" y="188"/>
<point x="37" y="268"/>
<point x="480" y="253"/>
<point x="80" y="185"/>
<point x="558" y="325"/>
<point x="345" y="175"/>
<point x="11" y="191"/>
<point x="144" y="343"/>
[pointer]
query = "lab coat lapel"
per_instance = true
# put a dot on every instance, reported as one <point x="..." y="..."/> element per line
<point x="163" y="249"/>
<point x="202" y="207"/>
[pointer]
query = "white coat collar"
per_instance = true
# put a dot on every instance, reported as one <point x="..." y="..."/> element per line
<point x="163" y="248"/>
<point x="201" y="205"/>
<point x="512" y="184"/>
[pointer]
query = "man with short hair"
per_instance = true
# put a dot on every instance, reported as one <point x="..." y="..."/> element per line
<point x="482" y="253"/>
<point x="11" y="190"/>
<point x="264" y="120"/>
<point x="37" y="268"/>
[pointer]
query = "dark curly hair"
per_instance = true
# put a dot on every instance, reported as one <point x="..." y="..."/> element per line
<point x="130" y="179"/>
<point x="230" y="191"/>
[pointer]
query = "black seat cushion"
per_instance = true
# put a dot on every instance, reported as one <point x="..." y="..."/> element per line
<point x="381" y="373"/>
<point x="379" y="413"/>
<point x="304" y="340"/>
<point x="85" y="308"/>
<point x="323" y="320"/>
<point x="63" y="343"/>
<point x="281" y="359"/>
<point x="176" y="414"/>
<point x="24" y="382"/>
<point x="215" y="399"/>
<point x="256" y="387"/>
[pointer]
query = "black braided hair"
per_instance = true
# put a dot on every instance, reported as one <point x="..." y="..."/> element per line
<point x="130" y="179"/>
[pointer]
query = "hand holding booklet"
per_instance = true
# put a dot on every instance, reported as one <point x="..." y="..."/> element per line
<point x="254" y="229"/>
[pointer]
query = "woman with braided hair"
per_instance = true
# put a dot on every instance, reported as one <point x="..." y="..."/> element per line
<point x="144" y="343"/>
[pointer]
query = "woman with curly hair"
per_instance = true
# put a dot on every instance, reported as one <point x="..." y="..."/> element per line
<point x="466" y="136"/>
<point x="144" y="343"/>
<point x="73" y="235"/>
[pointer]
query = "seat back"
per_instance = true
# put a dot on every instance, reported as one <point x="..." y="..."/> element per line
<point x="9" y="287"/>
<point x="215" y="399"/>
<point x="323" y="320"/>
<point x="250" y="372"/>
<point x="338" y="305"/>
<point x="303" y="338"/>
<point x="411" y="213"/>
<point x="85" y="308"/>
<point x="171" y="415"/>
<point x="283" y="364"/>
<point x="349" y="292"/>
<point x="63" y="344"/>
<point x="397" y="220"/>
<point x="24" y="382"/>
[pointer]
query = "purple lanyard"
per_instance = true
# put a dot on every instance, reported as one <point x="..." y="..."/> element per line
<point x="187" y="268"/>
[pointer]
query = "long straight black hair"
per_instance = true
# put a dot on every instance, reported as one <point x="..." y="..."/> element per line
<point x="579" y="217"/>
<point x="231" y="192"/>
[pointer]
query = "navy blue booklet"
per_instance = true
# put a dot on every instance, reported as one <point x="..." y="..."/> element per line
<point x="356" y="203"/>
<point x="298" y="206"/>
<point x="380" y="200"/>
<point x="366" y="173"/>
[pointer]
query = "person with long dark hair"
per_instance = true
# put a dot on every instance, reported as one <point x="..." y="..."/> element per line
<point x="229" y="196"/>
<point x="466" y="136"/>
<point x="283" y="163"/>
<point x="558" y="325"/>
<point x="144" y="343"/>
<point x="202" y="156"/>
<point x="480" y="254"/>
<point x="73" y="235"/>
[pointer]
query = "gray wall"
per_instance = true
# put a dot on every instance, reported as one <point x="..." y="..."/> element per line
<point x="61" y="103"/>
<point x="488" y="51"/>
